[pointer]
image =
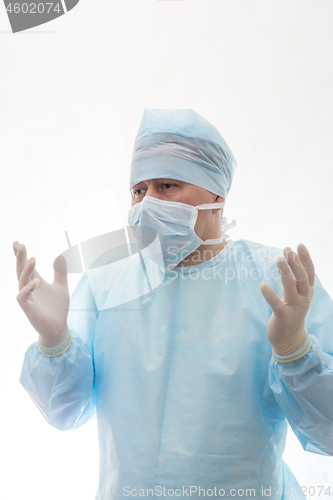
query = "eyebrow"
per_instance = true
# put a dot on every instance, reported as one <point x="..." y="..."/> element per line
<point x="161" y="180"/>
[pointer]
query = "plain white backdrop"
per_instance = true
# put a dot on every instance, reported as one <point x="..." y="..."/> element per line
<point x="72" y="95"/>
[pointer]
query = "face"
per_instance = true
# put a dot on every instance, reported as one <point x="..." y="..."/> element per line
<point x="181" y="192"/>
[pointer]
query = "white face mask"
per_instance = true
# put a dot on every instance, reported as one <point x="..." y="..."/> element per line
<point x="174" y="223"/>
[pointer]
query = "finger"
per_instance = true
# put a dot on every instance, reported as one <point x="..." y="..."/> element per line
<point x="25" y="293"/>
<point x="271" y="297"/>
<point x="290" y="292"/>
<point x="15" y="245"/>
<point x="60" y="270"/>
<point x="21" y="258"/>
<point x="35" y="274"/>
<point x="307" y="262"/>
<point x="298" y="270"/>
<point x="26" y="274"/>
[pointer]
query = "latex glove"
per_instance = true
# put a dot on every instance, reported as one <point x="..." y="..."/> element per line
<point x="45" y="305"/>
<point x="285" y="327"/>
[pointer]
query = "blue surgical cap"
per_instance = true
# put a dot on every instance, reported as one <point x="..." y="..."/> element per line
<point x="180" y="144"/>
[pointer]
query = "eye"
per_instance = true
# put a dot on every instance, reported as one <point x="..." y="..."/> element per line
<point x="138" y="191"/>
<point x="167" y="185"/>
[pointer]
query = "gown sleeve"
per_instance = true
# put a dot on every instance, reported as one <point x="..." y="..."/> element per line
<point x="303" y="388"/>
<point x="62" y="386"/>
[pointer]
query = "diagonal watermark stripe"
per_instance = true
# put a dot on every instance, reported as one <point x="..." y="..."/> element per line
<point x="70" y="4"/>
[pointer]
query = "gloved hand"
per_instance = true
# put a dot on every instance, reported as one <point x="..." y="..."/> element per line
<point x="285" y="328"/>
<point x="45" y="305"/>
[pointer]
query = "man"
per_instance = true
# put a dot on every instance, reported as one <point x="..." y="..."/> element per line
<point x="191" y="371"/>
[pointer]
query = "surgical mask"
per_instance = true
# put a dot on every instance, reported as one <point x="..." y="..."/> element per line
<point x="174" y="223"/>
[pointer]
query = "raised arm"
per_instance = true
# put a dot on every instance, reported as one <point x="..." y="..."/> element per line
<point x="58" y="369"/>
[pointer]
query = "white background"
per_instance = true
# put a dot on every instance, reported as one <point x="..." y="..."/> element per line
<point x="72" y="95"/>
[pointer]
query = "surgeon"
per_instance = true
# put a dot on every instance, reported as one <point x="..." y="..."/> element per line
<point x="195" y="351"/>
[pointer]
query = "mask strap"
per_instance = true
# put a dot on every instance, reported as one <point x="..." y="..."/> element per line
<point x="205" y="206"/>
<point x="214" y="242"/>
<point x="224" y="235"/>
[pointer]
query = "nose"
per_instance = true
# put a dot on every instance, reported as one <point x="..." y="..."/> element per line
<point x="154" y="193"/>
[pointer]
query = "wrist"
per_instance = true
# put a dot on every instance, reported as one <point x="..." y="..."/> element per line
<point x="59" y="348"/>
<point x="299" y="353"/>
<point x="53" y="341"/>
<point x="293" y="344"/>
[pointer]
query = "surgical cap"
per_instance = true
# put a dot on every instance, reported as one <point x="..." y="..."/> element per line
<point x="179" y="144"/>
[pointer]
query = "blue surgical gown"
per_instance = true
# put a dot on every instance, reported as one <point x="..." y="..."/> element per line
<point x="180" y="373"/>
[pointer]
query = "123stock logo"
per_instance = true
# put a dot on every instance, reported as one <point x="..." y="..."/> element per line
<point x="24" y="15"/>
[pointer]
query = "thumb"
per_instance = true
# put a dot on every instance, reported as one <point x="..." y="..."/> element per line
<point x="60" y="270"/>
